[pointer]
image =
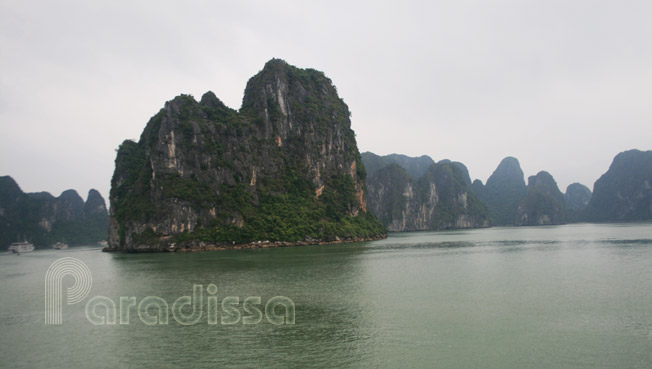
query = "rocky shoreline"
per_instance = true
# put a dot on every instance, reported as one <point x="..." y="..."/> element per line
<point x="204" y="246"/>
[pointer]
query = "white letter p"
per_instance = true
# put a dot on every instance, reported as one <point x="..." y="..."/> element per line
<point x="54" y="284"/>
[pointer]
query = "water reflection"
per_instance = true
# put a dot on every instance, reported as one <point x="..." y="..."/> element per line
<point x="324" y="283"/>
<point x="571" y="296"/>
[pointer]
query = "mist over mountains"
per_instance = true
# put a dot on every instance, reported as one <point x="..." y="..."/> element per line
<point x="623" y="193"/>
<point x="405" y="193"/>
<point x="285" y="169"/>
<point x="43" y="219"/>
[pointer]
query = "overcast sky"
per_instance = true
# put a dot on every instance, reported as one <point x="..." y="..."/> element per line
<point x="561" y="85"/>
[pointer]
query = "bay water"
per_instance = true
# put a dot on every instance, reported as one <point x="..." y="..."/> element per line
<point x="572" y="296"/>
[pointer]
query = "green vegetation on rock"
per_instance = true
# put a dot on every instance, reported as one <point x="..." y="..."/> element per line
<point x="43" y="219"/>
<point x="503" y="192"/>
<point x="285" y="167"/>
<point x="544" y="203"/>
<point x="414" y="166"/>
<point x="624" y="192"/>
<point x="577" y="199"/>
<point x="440" y="199"/>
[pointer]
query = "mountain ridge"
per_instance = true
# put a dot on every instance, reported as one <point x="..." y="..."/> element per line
<point x="43" y="219"/>
<point x="624" y="192"/>
<point x="440" y="198"/>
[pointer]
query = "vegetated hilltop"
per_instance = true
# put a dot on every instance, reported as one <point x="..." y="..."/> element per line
<point x="43" y="219"/>
<point x="437" y="197"/>
<point x="503" y="192"/>
<point x="624" y="192"/>
<point x="285" y="168"/>
<point x="544" y="203"/>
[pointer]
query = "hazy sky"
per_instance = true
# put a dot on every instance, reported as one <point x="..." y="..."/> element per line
<point x="561" y="85"/>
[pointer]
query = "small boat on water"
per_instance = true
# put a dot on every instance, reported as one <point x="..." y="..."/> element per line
<point x="18" y="247"/>
<point x="60" y="246"/>
<point x="103" y="243"/>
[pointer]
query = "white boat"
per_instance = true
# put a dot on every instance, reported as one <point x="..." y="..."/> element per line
<point x="60" y="246"/>
<point x="18" y="247"/>
<point x="103" y="243"/>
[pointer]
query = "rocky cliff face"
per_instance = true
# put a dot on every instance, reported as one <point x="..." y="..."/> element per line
<point x="624" y="192"/>
<point x="285" y="167"/>
<point x="577" y="199"/>
<point x="44" y="219"/>
<point x="503" y="192"/>
<point x="440" y="199"/>
<point x="544" y="203"/>
<point x="70" y="206"/>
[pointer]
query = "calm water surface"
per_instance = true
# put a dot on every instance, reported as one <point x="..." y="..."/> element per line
<point x="575" y="296"/>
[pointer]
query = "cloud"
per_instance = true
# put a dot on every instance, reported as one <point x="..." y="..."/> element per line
<point x="561" y="85"/>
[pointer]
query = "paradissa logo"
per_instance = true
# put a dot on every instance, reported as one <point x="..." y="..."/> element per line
<point x="153" y="310"/>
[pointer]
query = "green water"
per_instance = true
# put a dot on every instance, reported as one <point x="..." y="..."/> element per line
<point x="575" y="296"/>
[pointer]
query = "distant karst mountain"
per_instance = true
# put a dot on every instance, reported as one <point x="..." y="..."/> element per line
<point x="439" y="198"/>
<point x="284" y="169"/>
<point x="624" y="192"/>
<point x="503" y="192"/>
<point x="43" y="219"/>
<point x="577" y="199"/>
<point x="403" y="202"/>
<point x="544" y="203"/>
<point x="414" y="166"/>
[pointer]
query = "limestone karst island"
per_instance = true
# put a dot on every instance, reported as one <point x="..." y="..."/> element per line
<point x="326" y="184"/>
<point x="284" y="169"/>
